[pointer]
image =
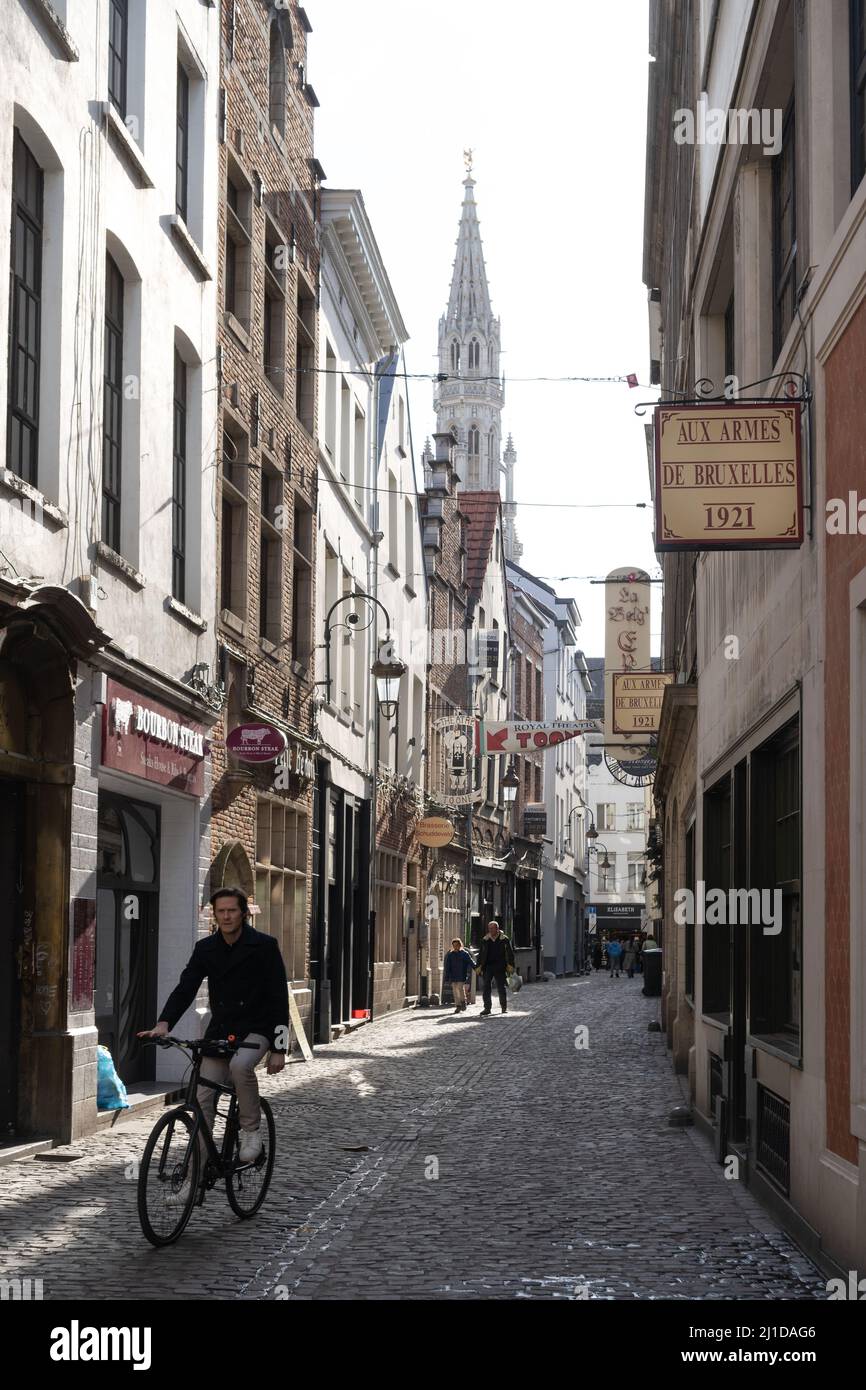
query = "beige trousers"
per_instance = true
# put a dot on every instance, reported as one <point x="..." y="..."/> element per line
<point x="239" y="1071"/>
<point x="458" y="989"/>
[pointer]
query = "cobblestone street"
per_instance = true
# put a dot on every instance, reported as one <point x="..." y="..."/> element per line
<point x="558" y="1177"/>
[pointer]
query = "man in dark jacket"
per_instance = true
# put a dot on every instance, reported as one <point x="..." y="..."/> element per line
<point x="249" y="999"/>
<point x="495" y="962"/>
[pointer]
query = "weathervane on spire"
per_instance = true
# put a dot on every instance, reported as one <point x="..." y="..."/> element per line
<point x="467" y="160"/>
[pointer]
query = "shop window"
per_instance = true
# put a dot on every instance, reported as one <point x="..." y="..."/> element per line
<point x="716" y="975"/>
<point x="281" y="881"/>
<point x="775" y="967"/>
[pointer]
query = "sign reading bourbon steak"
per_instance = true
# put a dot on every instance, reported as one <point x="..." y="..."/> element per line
<point x="256" y="743"/>
<point x="151" y="740"/>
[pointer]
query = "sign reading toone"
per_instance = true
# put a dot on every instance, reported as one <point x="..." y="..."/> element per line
<point x="637" y="701"/>
<point x="728" y="476"/>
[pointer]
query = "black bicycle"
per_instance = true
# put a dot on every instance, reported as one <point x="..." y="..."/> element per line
<point x="181" y="1161"/>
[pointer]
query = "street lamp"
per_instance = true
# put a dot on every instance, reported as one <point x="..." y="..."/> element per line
<point x="510" y="784"/>
<point x="388" y="672"/>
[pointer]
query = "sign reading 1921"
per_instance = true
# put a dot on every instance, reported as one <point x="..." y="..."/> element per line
<point x="728" y="476"/>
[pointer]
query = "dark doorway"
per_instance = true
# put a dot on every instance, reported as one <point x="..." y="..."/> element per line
<point x="127" y="932"/>
<point x="11" y="947"/>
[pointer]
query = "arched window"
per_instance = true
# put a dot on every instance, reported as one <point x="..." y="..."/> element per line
<point x="491" y="446"/>
<point x="455" y="356"/>
<point x="277" y="79"/>
<point x="473" y="440"/>
<point x="474" y="354"/>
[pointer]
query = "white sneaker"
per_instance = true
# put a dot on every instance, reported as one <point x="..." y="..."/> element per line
<point x="250" y="1146"/>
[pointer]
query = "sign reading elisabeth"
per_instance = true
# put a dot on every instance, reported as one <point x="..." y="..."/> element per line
<point x="637" y="701"/>
<point x="728" y="476"/>
<point x="150" y="740"/>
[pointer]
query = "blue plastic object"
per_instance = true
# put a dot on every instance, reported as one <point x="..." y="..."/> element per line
<point x="110" y="1090"/>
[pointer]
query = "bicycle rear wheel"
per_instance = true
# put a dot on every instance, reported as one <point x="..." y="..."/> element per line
<point x="168" y="1178"/>
<point x="246" y="1187"/>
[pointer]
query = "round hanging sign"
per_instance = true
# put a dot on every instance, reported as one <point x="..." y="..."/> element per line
<point x="256" y="743"/>
<point x="434" y="831"/>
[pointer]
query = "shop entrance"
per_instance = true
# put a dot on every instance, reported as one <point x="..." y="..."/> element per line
<point x="127" y="932"/>
<point x="11" y="951"/>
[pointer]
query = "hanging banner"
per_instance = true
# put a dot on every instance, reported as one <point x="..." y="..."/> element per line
<point x="528" y="737"/>
<point x="626" y="649"/>
<point x="452" y="764"/>
<point x="637" y="701"/>
<point x="728" y="476"/>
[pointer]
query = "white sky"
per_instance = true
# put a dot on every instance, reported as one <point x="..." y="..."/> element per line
<point x="552" y="99"/>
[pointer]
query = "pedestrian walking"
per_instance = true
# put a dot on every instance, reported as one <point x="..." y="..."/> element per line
<point x="495" y="962"/>
<point x="629" y="958"/>
<point x="597" y="957"/>
<point x="638" y="955"/>
<point x="614" y="955"/>
<point x="458" y="973"/>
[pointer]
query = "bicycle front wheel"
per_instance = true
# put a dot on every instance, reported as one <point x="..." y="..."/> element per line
<point x="168" y="1178"/>
<point x="247" y="1186"/>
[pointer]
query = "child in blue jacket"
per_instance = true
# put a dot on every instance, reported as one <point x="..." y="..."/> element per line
<point x="458" y="972"/>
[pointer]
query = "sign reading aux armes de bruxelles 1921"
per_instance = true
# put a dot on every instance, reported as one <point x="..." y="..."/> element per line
<point x="637" y="701"/>
<point x="728" y="476"/>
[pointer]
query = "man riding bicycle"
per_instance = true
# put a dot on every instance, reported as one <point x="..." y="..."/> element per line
<point x="249" y="1000"/>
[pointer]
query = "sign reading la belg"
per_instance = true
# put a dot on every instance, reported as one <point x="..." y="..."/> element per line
<point x="528" y="737"/>
<point x="152" y="741"/>
<point x="728" y="476"/>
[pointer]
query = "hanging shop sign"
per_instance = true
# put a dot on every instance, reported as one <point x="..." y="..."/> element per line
<point x="434" y="831"/>
<point x="626" y="651"/>
<point x="148" y="739"/>
<point x="526" y="737"/>
<point x="452" y="773"/>
<point x="728" y="476"/>
<point x="637" y="701"/>
<point x="535" y="818"/>
<point x="256" y="743"/>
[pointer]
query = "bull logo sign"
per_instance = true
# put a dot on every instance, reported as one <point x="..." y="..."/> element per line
<point x="256" y="743"/>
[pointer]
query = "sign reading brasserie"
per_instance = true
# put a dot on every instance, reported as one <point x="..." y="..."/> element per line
<point x="728" y="476"/>
<point x="637" y="701"/>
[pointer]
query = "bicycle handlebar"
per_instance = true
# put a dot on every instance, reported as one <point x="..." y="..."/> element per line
<point x="197" y="1043"/>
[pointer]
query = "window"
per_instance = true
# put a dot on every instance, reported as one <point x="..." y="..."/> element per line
<point x="277" y="80"/>
<point x="474" y="354"/>
<point x="605" y="815"/>
<point x="112" y="405"/>
<point x="775" y="969"/>
<point x="858" y="92"/>
<point x="784" y="234"/>
<point x="305" y="341"/>
<point x="118" y="20"/>
<point x="178" y="491"/>
<point x="729" y="338"/>
<point x="330" y="402"/>
<point x="25" y="313"/>
<point x="690" y="925"/>
<point x="302" y="582"/>
<point x="233" y="535"/>
<point x="238" y="247"/>
<point x="473" y="440"/>
<point x="607" y="877"/>
<point x="717" y="873"/>
<point x="389" y="906"/>
<point x="359" y="463"/>
<point x="634" y="815"/>
<point x="408" y="541"/>
<point x="635" y="870"/>
<point x="455" y="356"/>
<point x="490" y="793"/>
<point x="182" y="144"/>
<point x="281" y="881"/>
<point x="270" y="556"/>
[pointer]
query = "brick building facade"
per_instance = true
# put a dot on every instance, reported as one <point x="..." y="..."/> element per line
<point x="266" y="462"/>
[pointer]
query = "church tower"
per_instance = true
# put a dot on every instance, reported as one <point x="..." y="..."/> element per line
<point x="468" y="399"/>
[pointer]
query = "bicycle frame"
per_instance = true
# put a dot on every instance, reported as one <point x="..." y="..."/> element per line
<point x="220" y="1160"/>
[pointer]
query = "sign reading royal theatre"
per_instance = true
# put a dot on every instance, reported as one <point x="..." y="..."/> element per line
<point x="149" y="740"/>
<point x="728" y="476"/>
